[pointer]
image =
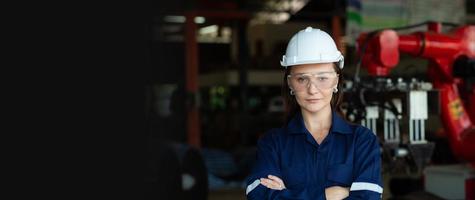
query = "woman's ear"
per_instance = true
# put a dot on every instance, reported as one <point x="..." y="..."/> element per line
<point x="337" y="80"/>
<point x="335" y="89"/>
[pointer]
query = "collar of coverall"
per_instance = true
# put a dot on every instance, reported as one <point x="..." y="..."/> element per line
<point x="339" y="125"/>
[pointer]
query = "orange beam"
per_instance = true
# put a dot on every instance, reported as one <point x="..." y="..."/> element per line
<point x="191" y="70"/>
<point x="193" y="128"/>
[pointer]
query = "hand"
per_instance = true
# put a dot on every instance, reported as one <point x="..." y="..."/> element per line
<point x="336" y="192"/>
<point x="273" y="182"/>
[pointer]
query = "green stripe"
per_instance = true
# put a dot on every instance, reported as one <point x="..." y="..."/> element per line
<point x="354" y="16"/>
<point x="383" y="22"/>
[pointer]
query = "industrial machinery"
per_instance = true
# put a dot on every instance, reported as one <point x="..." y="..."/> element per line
<point x="450" y="92"/>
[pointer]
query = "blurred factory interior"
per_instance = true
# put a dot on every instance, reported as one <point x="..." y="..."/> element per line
<point x="217" y="83"/>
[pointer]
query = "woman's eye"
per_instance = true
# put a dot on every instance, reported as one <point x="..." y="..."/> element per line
<point x="322" y="78"/>
<point x="300" y="79"/>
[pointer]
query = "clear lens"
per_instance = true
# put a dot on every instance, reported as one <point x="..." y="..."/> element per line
<point x="323" y="81"/>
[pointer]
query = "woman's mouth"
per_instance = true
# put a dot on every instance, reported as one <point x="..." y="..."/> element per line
<point x="312" y="100"/>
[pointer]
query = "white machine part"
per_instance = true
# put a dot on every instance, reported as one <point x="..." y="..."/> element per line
<point x="391" y="123"/>
<point x="417" y="116"/>
<point x="371" y="117"/>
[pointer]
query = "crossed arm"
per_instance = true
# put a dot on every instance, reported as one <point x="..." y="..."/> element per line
<point x="331" y="193"/>
<point x="265" y="182"/>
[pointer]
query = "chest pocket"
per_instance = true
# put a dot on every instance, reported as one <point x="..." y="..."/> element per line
<point x="340" y="174"/>
<point x="295" y="175"/>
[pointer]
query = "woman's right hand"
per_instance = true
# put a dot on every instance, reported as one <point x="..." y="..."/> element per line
<point x="273" y="182"/>
<point x="337" y="192"/>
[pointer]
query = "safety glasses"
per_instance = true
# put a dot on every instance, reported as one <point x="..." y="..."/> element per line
<point x="321" y="80"/>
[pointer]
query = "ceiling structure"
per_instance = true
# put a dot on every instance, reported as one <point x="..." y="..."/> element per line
<point x="261" y="10"/>
<point x="170" y="16"/>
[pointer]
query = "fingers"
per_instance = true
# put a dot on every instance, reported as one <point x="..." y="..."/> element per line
<point x="277" y="179"/>
<point x="270" y="183"/>
<point x="273" y="182"/>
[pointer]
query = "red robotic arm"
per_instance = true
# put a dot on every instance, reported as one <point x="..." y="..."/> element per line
<point x="381" y="53"/>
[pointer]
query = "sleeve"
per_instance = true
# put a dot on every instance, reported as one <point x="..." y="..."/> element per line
<point x="367" y="183"/>
<point x="268" y="164"/>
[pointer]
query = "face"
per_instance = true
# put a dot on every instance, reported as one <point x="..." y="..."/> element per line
<point x="313" y="85"/>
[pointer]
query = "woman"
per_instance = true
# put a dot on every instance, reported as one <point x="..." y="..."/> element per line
<point x="317" y="154"/>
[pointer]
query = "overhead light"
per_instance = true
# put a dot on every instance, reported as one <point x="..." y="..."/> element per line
<point x="297" y="5"/>
<point x="199" y="20"/>
<point x="174" y="19"/>
<point x="182" y="19"/>
<point x="209" y="29"/>
<point x="270" y="17"/>
<point x="292" y="6"/>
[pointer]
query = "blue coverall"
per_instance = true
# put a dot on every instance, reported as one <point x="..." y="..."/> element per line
<point x="349" y="157"/>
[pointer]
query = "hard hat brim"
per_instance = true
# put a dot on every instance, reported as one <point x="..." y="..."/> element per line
<point x="303" y="62"/>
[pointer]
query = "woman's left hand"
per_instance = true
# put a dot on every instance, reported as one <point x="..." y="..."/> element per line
<point x="273" y="182"/>
<point x="337" y="193"/>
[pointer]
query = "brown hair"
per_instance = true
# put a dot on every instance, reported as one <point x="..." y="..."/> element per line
<point x="291" y="105"/>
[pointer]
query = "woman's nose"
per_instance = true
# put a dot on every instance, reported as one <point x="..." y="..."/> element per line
<point x="312" y="88"/>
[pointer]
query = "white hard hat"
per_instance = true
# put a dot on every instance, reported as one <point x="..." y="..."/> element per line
<point x="310" y="46"/>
